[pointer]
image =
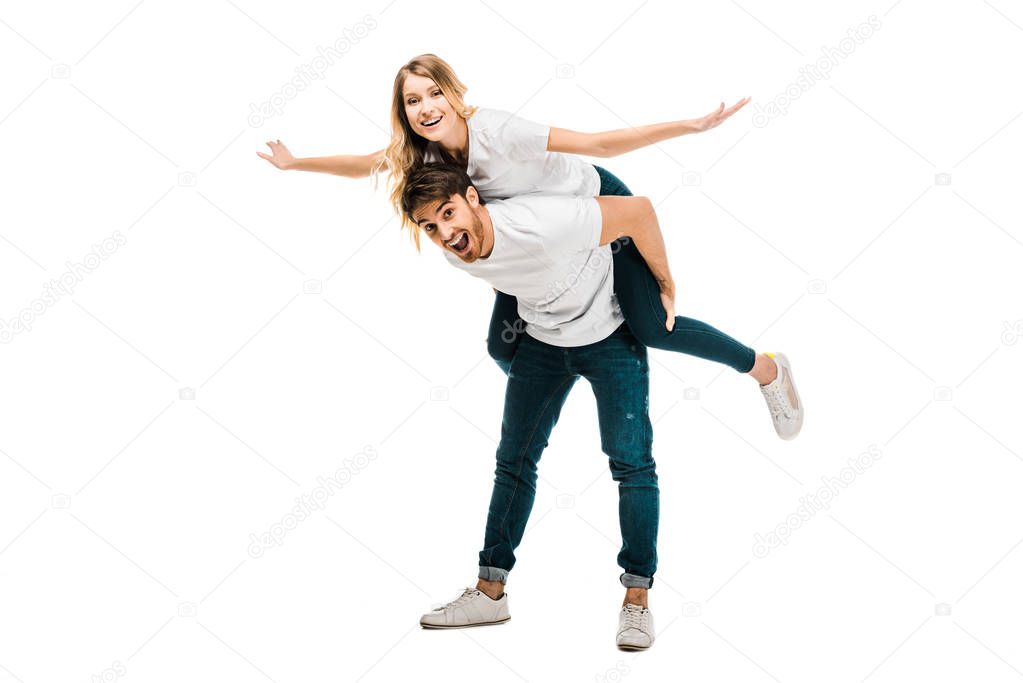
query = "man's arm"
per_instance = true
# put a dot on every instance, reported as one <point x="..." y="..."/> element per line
<point x="634" y="217"/>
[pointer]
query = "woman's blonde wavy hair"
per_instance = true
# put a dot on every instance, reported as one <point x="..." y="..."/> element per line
<point x="408" y="149"/>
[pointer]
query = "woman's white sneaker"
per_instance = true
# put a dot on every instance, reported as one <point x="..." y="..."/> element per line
<point x="472" y="608"/>
<point x="635" y="628"/>
<point x="783" y="399"/>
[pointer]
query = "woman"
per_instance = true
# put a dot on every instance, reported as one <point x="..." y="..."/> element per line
<point x="507" y="156"/>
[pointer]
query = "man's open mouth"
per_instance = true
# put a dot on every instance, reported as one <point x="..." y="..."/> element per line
<point x="460" y="244"/>
<point x="431" y="122"/>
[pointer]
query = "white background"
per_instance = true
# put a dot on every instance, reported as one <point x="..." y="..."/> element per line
<point x="127" y="510"/>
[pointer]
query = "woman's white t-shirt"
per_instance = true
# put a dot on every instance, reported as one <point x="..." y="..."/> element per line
<point x="508" y="157"/>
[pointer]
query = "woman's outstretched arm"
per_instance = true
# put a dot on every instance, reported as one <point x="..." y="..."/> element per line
<point x="347" y="165"/>
<point x="614" y="142"/>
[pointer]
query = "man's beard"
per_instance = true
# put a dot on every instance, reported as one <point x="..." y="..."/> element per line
<point x="477" y="234"/>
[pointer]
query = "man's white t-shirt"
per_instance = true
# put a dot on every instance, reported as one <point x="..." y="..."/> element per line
<point x="547" y="254"/>
<point x="508" y="157"/>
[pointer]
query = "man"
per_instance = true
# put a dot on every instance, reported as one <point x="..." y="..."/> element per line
<point x="553" y="254"/>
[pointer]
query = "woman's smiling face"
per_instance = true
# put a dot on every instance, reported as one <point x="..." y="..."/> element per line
<point x="426" y="108"/>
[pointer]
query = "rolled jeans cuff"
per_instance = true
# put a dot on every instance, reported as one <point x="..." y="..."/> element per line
<point x="636" y="581"/>
<point x="493" y="574"/>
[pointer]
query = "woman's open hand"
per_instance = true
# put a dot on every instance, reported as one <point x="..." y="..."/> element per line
<point x="668" y="302"/>
<point x="716" y="117"/>
<point x="280" y="156"/>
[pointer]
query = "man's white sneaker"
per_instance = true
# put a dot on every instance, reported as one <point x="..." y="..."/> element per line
<point x="472" y="608"/>
<point x="635" y="628"/>
<point x="783" y="399"/>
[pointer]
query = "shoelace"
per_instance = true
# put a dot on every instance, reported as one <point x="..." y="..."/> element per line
<point x="634" y="617"/>
<point x="777" y="401"/>
<point x="466" y="595"/>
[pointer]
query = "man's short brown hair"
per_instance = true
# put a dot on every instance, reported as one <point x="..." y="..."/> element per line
<point x="433" y="182"/>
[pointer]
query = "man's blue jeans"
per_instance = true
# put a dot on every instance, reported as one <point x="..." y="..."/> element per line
<point x="540" y="377"/>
